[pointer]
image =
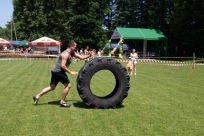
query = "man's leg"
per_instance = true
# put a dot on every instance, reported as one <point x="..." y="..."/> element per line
<point x="64" y="95"/>
<point x="65" y="91"/>
<point x="45" y="90"/>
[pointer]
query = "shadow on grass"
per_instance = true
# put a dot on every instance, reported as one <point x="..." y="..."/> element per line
<point x="81" y="104"/>
<point x="54" y="102"/>
<point x="57" y="102"/>
<point x="78" y="104"/>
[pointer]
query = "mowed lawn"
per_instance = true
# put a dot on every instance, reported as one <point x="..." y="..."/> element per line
<point x="162" y="100"/>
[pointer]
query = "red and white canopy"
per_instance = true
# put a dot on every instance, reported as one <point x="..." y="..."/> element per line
<point x="45" y="41"/>
<point x="4" y="42"/>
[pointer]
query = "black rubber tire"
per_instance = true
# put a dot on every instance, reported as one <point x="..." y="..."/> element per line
<point x="116" y="96"/>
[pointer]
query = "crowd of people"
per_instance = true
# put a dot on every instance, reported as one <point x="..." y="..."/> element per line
<point x="24" y="50"/>
<point x="85" y="52"/>
<point x="131" y="64"/>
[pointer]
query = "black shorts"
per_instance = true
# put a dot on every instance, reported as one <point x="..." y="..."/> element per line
<point x="59" y="77"/>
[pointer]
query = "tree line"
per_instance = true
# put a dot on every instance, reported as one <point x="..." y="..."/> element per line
<point x="93" y="22"/>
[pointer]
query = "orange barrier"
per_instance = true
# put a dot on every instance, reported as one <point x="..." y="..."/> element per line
<point x="16" y="54"/>
<point x="161" y="62"/>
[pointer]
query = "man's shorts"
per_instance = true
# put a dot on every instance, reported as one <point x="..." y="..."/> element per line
<point x="59" y="77"/>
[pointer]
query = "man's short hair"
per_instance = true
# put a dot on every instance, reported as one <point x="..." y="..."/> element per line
<point x="71" y="43"/>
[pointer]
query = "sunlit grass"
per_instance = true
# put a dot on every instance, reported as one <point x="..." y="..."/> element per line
<point x="162" y="100"/>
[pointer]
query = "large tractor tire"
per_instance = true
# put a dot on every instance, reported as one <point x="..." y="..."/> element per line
<point x="116" y="96"/>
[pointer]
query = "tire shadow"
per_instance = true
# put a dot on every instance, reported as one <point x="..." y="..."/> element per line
<point x="81" y="104"/>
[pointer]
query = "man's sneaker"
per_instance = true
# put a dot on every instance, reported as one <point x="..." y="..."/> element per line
<point x="65" y="104"/>
<point x="35" y="100"/>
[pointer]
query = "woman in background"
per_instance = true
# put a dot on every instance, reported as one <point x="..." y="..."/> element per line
<point x="134" y="58"/>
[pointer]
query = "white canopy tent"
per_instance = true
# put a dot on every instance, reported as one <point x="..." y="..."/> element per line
<point x="46" y="42"/>
<point x="4" y="42"/>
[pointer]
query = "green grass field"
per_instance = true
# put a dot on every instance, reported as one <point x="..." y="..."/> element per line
<point x="162" y="100"/>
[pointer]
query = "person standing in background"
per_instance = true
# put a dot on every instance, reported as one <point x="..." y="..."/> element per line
<point x="99" y="53"/>
<point x="86" y="52"/>
<point x="134" y="58"/>
<point x="81" y="51"/>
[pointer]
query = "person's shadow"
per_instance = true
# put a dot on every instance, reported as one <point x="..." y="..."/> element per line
<point x="57" y="102"/>
<point x="78" y="104"/>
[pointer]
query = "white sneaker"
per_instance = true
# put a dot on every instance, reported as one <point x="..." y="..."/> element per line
<point x="135" y="74"/>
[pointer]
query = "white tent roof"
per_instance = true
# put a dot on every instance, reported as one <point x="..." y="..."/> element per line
<point x="45" y="41"/>
<point x="4" y="42"/>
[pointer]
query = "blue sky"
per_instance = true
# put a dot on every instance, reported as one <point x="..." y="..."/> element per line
<point x="6" y="11"/>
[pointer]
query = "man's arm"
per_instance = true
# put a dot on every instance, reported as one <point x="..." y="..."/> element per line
<point x="65" y="56"/>
<point x="82" y="57"/>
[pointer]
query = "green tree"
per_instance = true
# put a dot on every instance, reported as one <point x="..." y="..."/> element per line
<point x="86" y="24"/>
<point x="62" y="20"/>
<point x="188" y="27"/>
<point x="92" y="22"/>
<point x="4" y="33"/>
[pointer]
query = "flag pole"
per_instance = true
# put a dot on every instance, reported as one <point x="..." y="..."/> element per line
<point x="193" y="66"/>
<point x="48" y="65"/>
<point x="194" y="59"/>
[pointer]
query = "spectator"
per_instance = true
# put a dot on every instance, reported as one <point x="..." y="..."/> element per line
<point x="29" y="50"/>
<point x="86" y="50"/>
<point x="134" y="57"/>
<point x="129" y="66"/>
<point x="99" y="53"/>
<point x="81" y="51"/>
<point x="21" y="51"/>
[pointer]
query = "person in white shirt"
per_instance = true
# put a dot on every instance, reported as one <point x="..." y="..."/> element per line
<point x="81" y="51"/>
<point x="5" y="48"/>
<point x="134" y="58"/>
<point x="99" y="53"/>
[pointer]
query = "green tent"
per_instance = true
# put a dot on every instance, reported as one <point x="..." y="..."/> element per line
<point x="138" y="34"/>
<point x="141" y="34"/>
<point x="23" y="43"/>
